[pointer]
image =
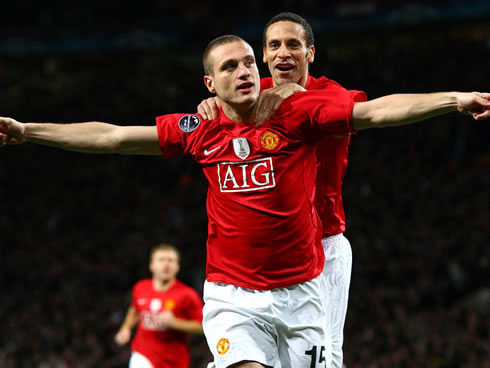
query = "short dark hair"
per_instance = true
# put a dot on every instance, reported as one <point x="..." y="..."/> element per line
<point x="291" y="17"/>
<point x="222" y="40"/>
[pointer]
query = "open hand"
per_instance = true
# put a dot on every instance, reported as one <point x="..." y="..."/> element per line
<point x="209" y="108"/>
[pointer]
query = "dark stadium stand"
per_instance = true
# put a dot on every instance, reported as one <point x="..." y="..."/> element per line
<point x="75" y="229"/>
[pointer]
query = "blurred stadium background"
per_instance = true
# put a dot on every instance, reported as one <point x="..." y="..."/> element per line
<point x="75" y="230"/>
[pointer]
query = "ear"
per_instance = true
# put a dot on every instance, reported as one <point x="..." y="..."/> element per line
<point x="264" y="59"/>
<point x="209" y="83"/>
<point x="310" y="55"/>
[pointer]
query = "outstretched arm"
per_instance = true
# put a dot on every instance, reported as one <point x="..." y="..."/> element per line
<point x="89" y="137"/>
<point x="403" y="109"/>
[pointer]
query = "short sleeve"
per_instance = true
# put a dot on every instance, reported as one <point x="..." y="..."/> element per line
<point x="177" y="132"/>
<point x="357" y="96"/>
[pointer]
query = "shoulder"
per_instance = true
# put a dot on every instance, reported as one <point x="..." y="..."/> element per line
<point x="186" y="123"/>
<point x="266" y="83"/>
<point x="305" y="101"/>
<point x="322" y="83"/>
<point x="329" y="85"/>
<point x="183" y="286"/>
<point x="143" y="284"/>
<point x="186" y="290"/>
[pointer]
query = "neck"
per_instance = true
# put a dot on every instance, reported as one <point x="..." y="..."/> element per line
<point x="239" y="113"/>
<point x="162" y="285"/>
<point x="302" y="81"/>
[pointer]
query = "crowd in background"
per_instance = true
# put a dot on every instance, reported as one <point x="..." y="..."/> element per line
<point x="75" y="229"/>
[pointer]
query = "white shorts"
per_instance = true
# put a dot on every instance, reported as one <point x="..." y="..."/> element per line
<point x="337" y="272"/>
<point x="138" y="360"/>
<point x="279" y="328"/>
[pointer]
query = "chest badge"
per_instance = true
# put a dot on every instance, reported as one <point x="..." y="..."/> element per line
<point x="269" y="140"/>
<point x="170" y="304"/>
<point x="155" y="305"/>
<point x="241" y="147"/>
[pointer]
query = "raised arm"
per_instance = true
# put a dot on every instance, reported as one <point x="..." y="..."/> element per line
<point x="89" y="137"/>
<point x="403" y="109"/>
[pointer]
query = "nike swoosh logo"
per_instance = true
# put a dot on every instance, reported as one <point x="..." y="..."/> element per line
<point x="207" y="153"/>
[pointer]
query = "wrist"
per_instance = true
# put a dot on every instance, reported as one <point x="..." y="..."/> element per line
<point x="454" y="100"/>
<point x="27" y="130"/>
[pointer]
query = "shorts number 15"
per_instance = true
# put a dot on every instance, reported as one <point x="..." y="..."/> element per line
<point x="313" y="352"/>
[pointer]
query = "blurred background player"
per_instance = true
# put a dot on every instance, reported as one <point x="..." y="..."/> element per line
<point x="165" y="310"/>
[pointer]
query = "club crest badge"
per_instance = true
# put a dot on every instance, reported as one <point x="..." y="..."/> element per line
<point x="269" y="140"/>
<point x="223" y="346"/>
<point x="189" y="123"/>
<point x="241" y="147"/>
<point x="169" y="304"/>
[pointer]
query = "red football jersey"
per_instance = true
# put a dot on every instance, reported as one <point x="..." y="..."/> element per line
<point x="263" y="229"/>
<point x="164" y="348"/>
<point x="332" y="157"/>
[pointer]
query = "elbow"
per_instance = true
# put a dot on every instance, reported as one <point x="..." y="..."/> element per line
<point x="365" y="116"/>
<point x="368" y="122"/>
<point x="113" y="143"/>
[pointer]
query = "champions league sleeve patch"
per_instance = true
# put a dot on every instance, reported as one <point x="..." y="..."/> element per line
<point x="189" y="123"/>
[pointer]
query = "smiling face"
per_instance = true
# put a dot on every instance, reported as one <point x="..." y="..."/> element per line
<point x="234" y="77"/>
<point x="287" y="54"/>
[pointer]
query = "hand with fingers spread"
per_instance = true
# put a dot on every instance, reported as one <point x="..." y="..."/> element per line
<point x="476" y="104"/>
<point x="11" y="132"/>
<point x="209" y="108"/>
<point x="271" y="99"/>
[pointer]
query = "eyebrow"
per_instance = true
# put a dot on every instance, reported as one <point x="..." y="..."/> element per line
<point x="228" y="61"/>
<point x="291" y="39"/>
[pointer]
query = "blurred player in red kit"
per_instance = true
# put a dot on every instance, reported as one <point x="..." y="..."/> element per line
<point x="165" y="310"/>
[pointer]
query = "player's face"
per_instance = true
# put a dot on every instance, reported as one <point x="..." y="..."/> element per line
<point x="287" y="54"/>
<point x="235" y="78"/>
<point x="164" y="265"/>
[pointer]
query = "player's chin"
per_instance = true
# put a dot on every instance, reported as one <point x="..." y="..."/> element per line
<point x="284" y="78"/>
<point x="247" y="98"/>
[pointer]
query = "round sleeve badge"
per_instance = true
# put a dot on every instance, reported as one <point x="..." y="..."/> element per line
<point x="189" y="123"/>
